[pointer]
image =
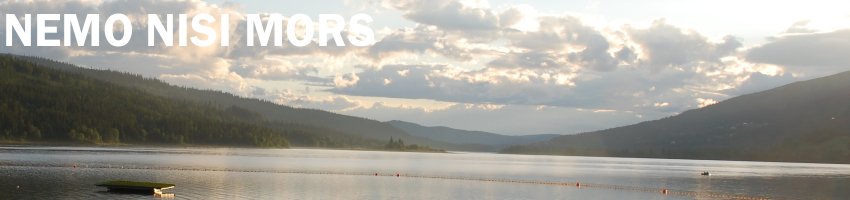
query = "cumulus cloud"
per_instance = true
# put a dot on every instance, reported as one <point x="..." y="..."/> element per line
<point x="532" y="60"/>
<point x="759" y="82"/>
<point x="275" y="69"/>
<point x="344" y="81"/>
<point x="568" y="38"/>
<point x="817" y="51"/>
<point x="800" y="27"/>
<point x="204" y="67"/>
<point x="568" y="63"/>
<point x="301" y="100"/>
<point x="664" y="45"/>
<point x="423" y="39"/>
<point x="619" y="89"/>
<point x="447" y="14"/>
<point x="491" y="64"/>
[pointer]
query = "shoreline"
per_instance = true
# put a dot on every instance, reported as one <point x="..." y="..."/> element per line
<point x="61" y="144"/>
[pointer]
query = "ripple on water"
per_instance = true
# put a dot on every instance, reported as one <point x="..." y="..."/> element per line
<point x="325" y="174"/>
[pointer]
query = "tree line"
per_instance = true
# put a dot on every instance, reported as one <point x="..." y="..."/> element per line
<point x="38" y="104"/>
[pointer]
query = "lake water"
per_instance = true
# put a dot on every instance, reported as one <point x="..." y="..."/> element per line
<point x="222" y="173"/>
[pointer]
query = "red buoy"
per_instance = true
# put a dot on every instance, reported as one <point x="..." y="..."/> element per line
<point x="578" y="184"/>
<point x="376" y="174"/>
<point x="396" y="175"/>
<point x="663" y="191"/>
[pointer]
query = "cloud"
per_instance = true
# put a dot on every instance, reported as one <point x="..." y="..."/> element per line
<point x="192" y="65"/>
<point x="807" y="51"/>
<point x="136" y="10"/>
<point x="567" y="63"/>
<point x="275" y="69"/>
<point x="800" y="27"/>
<point x="617" y="89"/>
<point x="489" y="63"/>
<point x="447" y="14"/>
<point x="532" y="60"/>
<point x="371" y="82"/>
<point x="344" y="81"/>
<point x="665" y="46"/>
<point x="211" y="80"/>
<point x="408" y="40"/>
<point x="425" y="40"/>
<point x="759" y="82"/>
<point x="513" y="15"/>
<point x="705" y="102"/>
<point x="301" y="100"/>
<point x="569" y="39"/>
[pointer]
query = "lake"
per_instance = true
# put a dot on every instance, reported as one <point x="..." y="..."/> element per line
<point x="28" y="172"/>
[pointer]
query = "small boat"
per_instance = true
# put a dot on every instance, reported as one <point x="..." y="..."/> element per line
<point x="706" y="173"/>
<point x="122" y="186"/>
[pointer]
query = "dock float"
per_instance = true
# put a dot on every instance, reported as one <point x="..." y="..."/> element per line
<point x="136" y="187"/>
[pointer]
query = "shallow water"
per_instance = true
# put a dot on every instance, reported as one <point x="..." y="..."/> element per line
<point x="220" y="173"/>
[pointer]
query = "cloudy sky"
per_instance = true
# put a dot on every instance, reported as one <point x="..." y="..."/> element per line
<point x="505" y="66"/>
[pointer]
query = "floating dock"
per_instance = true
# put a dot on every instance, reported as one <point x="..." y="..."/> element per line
<point x="135" y="187"/>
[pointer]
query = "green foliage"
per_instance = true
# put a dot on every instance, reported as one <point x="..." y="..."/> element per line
<point x="398" y="145"/>
<point x="84" y="134"/>
<point x="112" y="135"/>
<point x="41" y="104"/>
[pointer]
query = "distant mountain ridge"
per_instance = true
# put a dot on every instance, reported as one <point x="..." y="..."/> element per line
<point x="807" y="121"/>
<point x="479" y="139"/>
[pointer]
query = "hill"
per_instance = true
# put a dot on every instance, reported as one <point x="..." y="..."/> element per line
<point x="339" y="130"/>
<point x="43" y="105"/>
<point x="479" y="140"/>
<point x="807" y="121"/>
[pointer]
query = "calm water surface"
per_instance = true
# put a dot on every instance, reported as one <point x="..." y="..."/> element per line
<point x="220" y="173"/>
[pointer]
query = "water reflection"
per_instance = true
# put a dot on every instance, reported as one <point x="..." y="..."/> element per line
<point x="327" y="174"/>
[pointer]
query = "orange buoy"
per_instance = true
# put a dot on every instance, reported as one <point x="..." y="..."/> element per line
<point x="663" y="191"/>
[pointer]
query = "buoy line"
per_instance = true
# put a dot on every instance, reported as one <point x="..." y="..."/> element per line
<point x="576" y="184"/>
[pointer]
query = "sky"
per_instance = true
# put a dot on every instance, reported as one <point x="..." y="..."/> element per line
<point x="504" y="66"/>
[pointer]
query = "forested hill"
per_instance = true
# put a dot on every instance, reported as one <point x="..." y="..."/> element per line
<point x="339" y="130"/>
<point x="807" y="121"/>
<point x="41" y="104"/>
<point x="483" y="141"/>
